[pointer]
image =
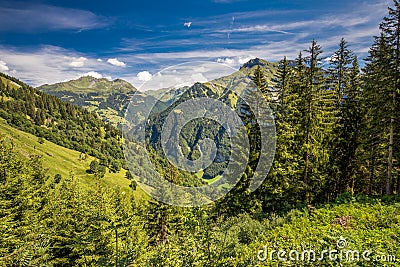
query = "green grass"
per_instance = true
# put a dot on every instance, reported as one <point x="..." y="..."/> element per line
<point x="210" y="181"/>
<point x="11" y="84"/>
<point x="57" y="159"/>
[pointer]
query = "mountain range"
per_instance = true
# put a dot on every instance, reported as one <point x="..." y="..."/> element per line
<point x="109" y="99"/>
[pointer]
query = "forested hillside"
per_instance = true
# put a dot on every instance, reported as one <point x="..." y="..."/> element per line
<point x="46" y="116"/>
<point x="107" y="98"/>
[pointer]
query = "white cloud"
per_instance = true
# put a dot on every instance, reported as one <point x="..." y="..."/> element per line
<point x="243" y="60"/>
<point x="29" y="17"/>
<point x="198" y="77"/>
<point x="144" y="76"/>
<point x="116" y="62"/>
<point x="77" y="62"/>
<point x="227" y="61"/>
<point x="94" y="74"/>
<point x="257" y="28"/>
<point x="51" y="64"/>
<point x="3" y="66"/>
<point x="48" y="64"/>
<point x="99" y="60"/>
<point x="235" y="61"/>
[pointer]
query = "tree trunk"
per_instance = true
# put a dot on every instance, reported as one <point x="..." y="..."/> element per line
<point x="372" y="170"/>
<point x="390" y="158"/>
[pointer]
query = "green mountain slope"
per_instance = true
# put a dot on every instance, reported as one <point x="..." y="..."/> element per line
<point x="107" y="98"/>
<point x="269" y="68"/>
<point x="58" y="159"/>
<point x="225" y="89"/>
<point x="88" y="84"/>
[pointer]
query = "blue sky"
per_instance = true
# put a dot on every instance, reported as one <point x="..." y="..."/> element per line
<point x="51" y="41"/>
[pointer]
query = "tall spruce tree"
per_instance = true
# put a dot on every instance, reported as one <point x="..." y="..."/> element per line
<point x="390" y="27"/>
<point x="339" y="70"/>
<point x="382" y="102"/>
<point x="350" y="128"/>
<point x="375" y="97"/>
<point x="316" y="120"/>
<point x="282" y="185"/>
<point x="344" y="82"/>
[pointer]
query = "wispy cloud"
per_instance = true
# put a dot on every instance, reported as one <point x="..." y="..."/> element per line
<point x="40" y="17"/>
<point x="266" y="28"/>
<point x="116" y="62"/>
<point x="255" y="28"/>
<point x="274" y="31"/>
<point x="77" y="62"/>
<point x="51" y="64"/>
<point x="3" y="66"/>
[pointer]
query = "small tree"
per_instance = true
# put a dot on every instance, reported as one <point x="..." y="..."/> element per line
<point x="115" y="166"/>
<point x="57" y="178"/>
<point x="128" y="175"/>
<point x="133" y="185"/>
<point x="101" y="171"/>
<point x="94" y="166"/>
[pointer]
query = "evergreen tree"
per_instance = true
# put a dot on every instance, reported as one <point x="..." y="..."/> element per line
<point x="344" y="82"/>
<point x="316" y="124"/>
<point x="23" y="188"/>
<point x="390" y="28"/>
<point x="282" y="183"/>
<point x="260" y="81"/>
<point x="282" y="83"/>
<point x="349" y="130"/>
<point x="382" y="104"/>
<point x="339" y="70"/>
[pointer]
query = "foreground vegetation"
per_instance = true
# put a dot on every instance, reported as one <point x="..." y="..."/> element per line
<point x="50" y="222"/>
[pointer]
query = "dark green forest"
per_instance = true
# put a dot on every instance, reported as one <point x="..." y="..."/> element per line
<point x="336" y="174"/>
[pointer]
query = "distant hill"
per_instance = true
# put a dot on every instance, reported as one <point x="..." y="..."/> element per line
<point x="88" y="84"/>
<point x="269" y="68"/>
<point x="107" y="98"/>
